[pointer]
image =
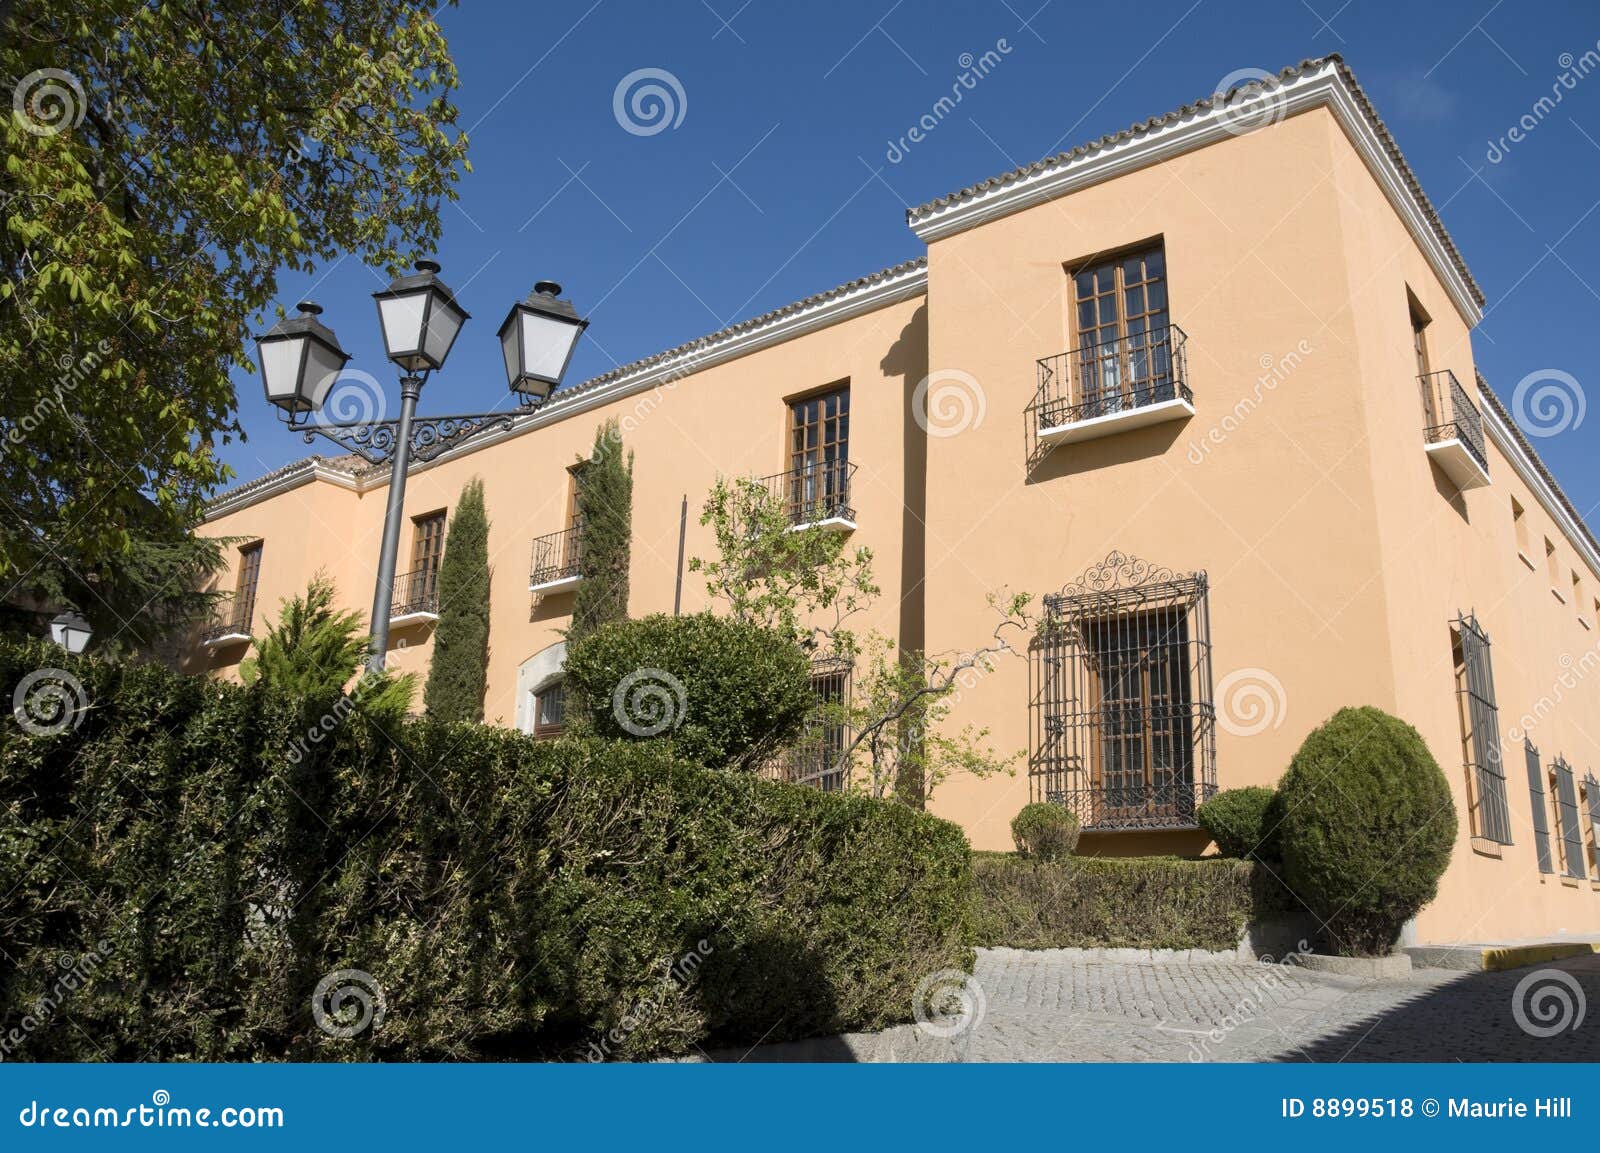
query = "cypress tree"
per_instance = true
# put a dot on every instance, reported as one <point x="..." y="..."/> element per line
<point x="605" y="507"/>
<point x="458" y="677"/>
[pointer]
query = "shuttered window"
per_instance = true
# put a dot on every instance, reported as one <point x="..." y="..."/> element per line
<point x="1591" y="790"/>
<point x="1567" y="812"/>
<point x="1480" y="724"/>
<point x="1541" y="817"/>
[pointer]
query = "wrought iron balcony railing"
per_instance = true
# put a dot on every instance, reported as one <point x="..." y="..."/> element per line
<point x="416" y="594"/>
<point x="1451" y="415"/>
<point x="556" y="558"/>
<point x="227" y="620"/>
<point x="815" y="492"/>
<point x="1109" y="378"/>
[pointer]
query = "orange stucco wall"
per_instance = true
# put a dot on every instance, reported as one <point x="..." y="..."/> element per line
<point x="1337" y="553"/>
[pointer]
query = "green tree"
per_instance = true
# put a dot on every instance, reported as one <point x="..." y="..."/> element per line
<point x="605" y="510"/>
<point x="315" y="649"/>
<point x="163" y="162"/>
<point x="809" y="585"/>
<point x="458" y="677"/>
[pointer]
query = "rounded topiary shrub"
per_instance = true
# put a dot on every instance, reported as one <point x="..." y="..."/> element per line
<point x="1368" y="825"/>
<point x="725" y="693"/>
<point x="1045" y="832"/>
<point x="1237" y="821"/>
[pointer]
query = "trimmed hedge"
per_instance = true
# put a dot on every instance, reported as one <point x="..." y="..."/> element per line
<point x="202" y="860"/>
<point x="1368" y="827"/>
<point x="725" y="693"/>
<point x="1117" y="902"/>
<point x="1242" y="822"/>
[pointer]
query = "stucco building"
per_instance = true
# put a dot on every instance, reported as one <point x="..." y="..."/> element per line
<point x="1207" y="386"/>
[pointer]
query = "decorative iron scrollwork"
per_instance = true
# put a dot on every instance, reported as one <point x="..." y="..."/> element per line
<point x="1119" y="570"/>
<point x="375" y="441"/>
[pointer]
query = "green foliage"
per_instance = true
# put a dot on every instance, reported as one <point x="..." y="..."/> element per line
<point x="509" y="897"/>
<point x="801" y="583"/>
<point x="145" y="601"/>
<point x="809" y="584"/>
<point x="458" y="677"/>
<point x="1118" y="902"/>
<point x="1045" y="832"/>
<point x="1237" y="820"/>
<point x="147" y="208"/>
<point x="605" y="509"/>
<point x="315" y="649"/>
<point x="1368" y="825"/>
<point x="724" y="693"/>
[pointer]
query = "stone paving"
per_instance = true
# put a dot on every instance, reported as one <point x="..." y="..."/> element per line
<point x="1053" y="1005"/>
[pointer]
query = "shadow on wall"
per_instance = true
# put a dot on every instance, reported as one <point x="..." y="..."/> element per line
<point x="1478" y="1017"/>
<point x="907" y="359"/>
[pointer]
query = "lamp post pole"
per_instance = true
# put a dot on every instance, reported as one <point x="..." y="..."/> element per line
<point x="388" y="552"/>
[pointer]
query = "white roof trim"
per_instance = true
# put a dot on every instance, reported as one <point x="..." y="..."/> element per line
<point x="1324" y="88"/>
<point x="311" y="470"/>
<point x="1505" y="440"/>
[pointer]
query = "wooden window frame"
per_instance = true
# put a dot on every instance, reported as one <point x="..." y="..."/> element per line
<point x="825" y="464"/>
<point x="541" y="730"/>
<point x="246" y="583"/>
<point x="1121" y="370"/>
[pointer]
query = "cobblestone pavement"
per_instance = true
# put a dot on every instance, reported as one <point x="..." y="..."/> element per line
<point x="1055" y="1006"/>
<point x="1062" y="1005"/>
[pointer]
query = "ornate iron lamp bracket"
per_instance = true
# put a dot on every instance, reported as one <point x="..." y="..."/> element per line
<point x="374" y="440"/>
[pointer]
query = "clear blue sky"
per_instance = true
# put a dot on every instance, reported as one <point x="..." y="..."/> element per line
<point x="774" y="184"/>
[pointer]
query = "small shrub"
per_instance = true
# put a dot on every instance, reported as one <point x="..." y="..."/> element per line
<point x="1237" y="820"/>
<point x="1045" y="832"/>
<point x="725" y="693"/>
<point x="1368" y="825"/>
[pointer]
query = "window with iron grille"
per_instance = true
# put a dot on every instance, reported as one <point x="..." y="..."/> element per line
<point x="1123" y="722"/>
<point x="1567" y="818"/>
<point x="1480" y="732"/>
<point x="1591" y="792"/>
<point x="815" y="758"/>
<point x="1541" y="815"/>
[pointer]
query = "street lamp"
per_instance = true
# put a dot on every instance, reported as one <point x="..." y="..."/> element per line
<point x="537" y="338"/>
<point x="71" y="632"/>
<point x="420" y="319"/>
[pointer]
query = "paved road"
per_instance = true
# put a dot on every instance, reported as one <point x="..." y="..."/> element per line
<point x="1057" y="1006"/>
